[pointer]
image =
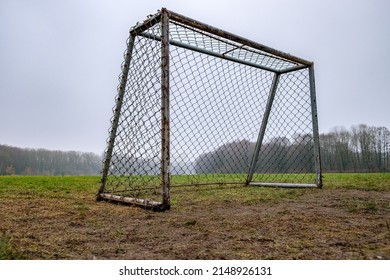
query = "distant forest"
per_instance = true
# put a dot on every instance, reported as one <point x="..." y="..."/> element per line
<point x="18" y="161"/>
<point x="362" y="148"/>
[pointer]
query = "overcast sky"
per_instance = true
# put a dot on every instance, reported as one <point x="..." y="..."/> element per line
<point x="59" y="60"/>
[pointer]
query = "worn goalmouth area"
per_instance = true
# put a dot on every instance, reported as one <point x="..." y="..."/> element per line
<point x="197" y="105"/>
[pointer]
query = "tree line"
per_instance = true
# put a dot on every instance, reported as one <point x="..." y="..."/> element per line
<point x="279" y="155"/>
<point x="360" y="149"/>
<point x="23" y="161"/>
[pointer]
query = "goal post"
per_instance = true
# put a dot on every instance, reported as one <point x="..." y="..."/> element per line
<point x="197" y="105"/>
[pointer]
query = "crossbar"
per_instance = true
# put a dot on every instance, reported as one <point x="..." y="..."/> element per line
<point x="283" y="185"/>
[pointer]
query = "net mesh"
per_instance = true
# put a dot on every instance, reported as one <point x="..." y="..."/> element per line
<point x="135" y="161"/>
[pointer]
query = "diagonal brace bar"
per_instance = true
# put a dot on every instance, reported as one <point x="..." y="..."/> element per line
<point x="263" y="127"/>
<point x="117" y="113"/>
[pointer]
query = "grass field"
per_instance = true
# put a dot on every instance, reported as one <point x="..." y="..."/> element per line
<point x="58" y="218"/>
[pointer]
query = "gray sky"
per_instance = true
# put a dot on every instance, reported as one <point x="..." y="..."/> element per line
<point x="59" y="60"/>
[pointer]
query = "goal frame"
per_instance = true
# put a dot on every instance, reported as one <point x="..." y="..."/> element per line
<point x="163" y="17"/>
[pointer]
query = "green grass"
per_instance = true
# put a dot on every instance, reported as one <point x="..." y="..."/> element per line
<point x="49" y="186"/>
<point x="194" y="179"/>
<point x="45" y="186"/>
<point x="78" y="189"/>
<point x="362" y="181"/>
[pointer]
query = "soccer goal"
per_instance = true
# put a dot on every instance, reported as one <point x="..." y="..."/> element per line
<point x="197" y="105"/>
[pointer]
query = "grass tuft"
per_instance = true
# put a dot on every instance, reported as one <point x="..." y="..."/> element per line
<point x="7" y="251"/>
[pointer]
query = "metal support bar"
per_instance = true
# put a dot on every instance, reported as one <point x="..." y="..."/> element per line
<point x="263" y="128"/>
<point x="144" y="203"/>
<point x="316" y="137"/>
<point x="283" y="185"/>
<point x="193" y="48"/>
<point x="165" y="122"/>
<point x="117" y="112"/>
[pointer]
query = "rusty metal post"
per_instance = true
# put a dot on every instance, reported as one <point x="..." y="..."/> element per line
<point x="263" y="127"/>
<point x="316" y="137"/>
<point x="117" y="112"/>
<point x="165" y="126"/>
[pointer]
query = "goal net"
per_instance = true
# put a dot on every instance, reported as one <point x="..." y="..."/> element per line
<point x="197" y="105"/>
